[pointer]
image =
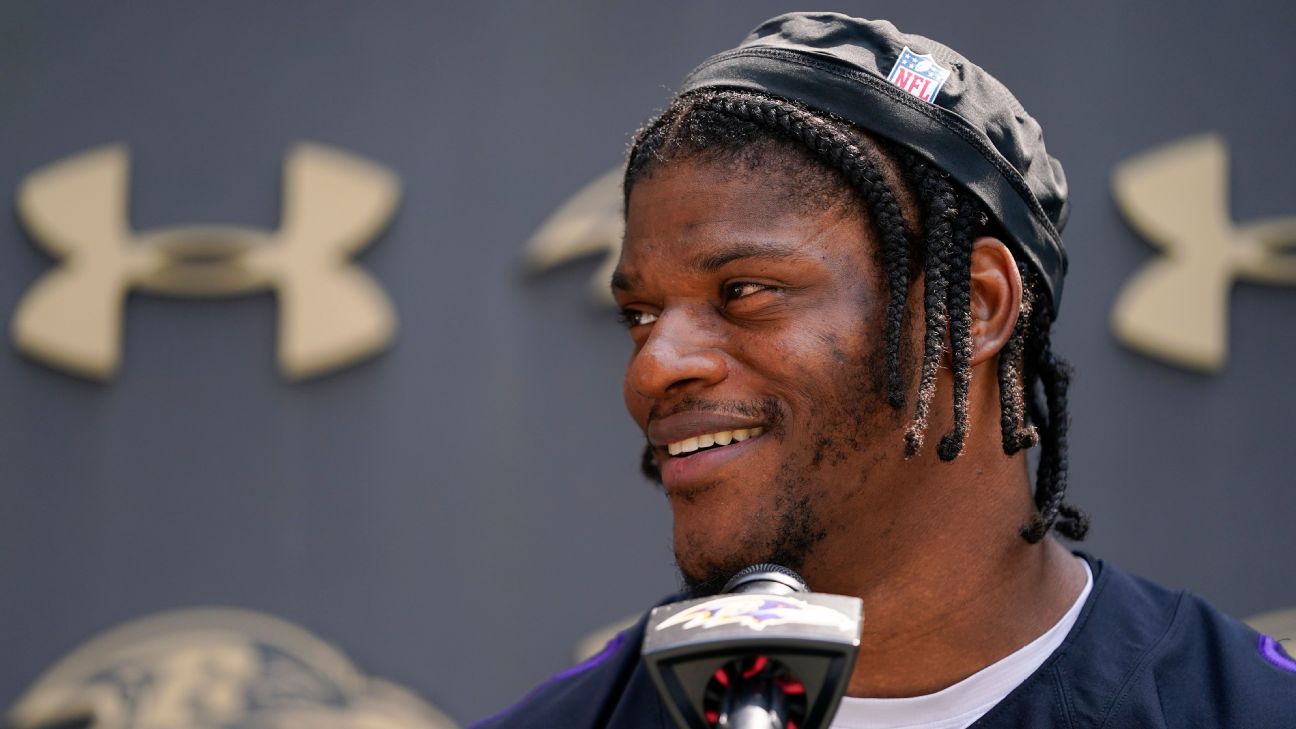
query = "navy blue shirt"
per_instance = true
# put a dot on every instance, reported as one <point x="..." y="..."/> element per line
<point x="1138" y="656"/>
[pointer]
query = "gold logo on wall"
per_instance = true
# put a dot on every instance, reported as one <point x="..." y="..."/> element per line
<point x="1176" y="307"/>
<point x="589" y="223"/>
<point x="331" y="313"/>
<point x="215" y="669"/>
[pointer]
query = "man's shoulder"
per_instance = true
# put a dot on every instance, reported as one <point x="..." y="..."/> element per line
<point x="1139" y="655"/>
<point x="609" y="690"/>
<point x="1145" y="655"/>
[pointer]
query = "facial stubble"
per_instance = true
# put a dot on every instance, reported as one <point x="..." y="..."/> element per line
<point x="794" y="509"/>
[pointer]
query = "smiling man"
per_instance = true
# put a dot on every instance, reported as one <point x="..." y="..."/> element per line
<point x="841" y="267"/>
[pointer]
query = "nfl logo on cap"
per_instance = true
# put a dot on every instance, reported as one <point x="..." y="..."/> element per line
<point x="918" y="74"/>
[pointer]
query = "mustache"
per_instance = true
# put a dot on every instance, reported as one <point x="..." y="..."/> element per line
<point x="769" y="410"/>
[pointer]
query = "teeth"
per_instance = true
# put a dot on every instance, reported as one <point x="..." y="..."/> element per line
<point x="722" y="438"/>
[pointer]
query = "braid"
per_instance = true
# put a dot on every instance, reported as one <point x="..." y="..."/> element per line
<point x="939" y="209"/>
<point x="1017" y="434"/>
<point x="1054" y="376"/>
<point x="1032" y="380"/>
<point x="959" y="299"/>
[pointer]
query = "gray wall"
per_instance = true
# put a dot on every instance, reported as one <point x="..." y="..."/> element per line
<point x="467" y="505"/>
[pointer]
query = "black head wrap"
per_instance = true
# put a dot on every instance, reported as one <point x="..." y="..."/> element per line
<point x="932" y="101"/>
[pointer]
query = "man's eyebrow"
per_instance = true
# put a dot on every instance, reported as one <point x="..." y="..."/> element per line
<point x="712" y="262"/>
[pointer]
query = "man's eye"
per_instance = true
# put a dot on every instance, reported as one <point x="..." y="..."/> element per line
<point x="634" y="317"/>
<point x="739" y="289"/>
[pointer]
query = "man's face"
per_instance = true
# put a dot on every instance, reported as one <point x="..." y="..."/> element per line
<point x="754" y="313"/>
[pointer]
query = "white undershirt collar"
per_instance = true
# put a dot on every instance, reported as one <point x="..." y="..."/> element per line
<point x="959" y="705"/>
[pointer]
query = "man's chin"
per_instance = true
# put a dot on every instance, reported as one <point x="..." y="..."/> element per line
<point x="707" y="583"/>
<point x="706" y="566"/>
<point x="707" y="577"/>
<point x="706" y="559"/>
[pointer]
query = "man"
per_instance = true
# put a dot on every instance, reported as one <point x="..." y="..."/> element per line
<point x="842" y="240"/>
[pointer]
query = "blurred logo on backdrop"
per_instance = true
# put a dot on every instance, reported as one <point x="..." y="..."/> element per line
<point x="1176" y="308"/>
<point x="589" y="223"/>
<point x="215" y="669"/>
<point x="331" y="312"/>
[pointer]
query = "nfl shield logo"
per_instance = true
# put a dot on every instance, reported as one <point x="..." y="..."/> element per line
<point x="918" y="74"/>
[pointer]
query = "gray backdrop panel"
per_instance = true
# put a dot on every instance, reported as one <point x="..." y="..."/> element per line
<point x="456" y="514"/>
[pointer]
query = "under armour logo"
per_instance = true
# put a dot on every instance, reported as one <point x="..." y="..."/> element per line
<point x="589" y="223"/>
<point x="1176" y="307"/>
<point x="331" y="313"/>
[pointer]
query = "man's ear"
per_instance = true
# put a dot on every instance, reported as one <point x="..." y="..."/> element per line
<point x="996" y="297"/>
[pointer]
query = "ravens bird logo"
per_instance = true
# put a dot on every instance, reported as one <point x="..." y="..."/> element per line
<point x="215" y="669"/>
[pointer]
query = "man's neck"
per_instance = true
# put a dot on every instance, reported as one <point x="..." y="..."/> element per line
<point x="930" y="634"/>
<point x="951" y="588"/>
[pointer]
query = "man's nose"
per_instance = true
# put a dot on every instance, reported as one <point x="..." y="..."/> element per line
<point x="682" y="352"/>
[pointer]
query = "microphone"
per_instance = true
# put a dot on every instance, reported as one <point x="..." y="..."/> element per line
<point x="767" y="654"/>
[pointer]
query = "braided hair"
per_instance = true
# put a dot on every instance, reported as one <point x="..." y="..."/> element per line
<point x="742" y="125"/>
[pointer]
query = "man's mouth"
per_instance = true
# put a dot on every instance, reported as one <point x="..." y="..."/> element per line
<point x="711" y="441"/>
